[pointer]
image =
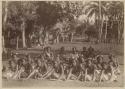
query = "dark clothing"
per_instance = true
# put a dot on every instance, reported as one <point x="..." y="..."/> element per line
<point x="82" y="66"/>
<point x="99" y="66"/>
<point x="108" y="70"/>
<point x="90" y="69"/>
<point x="91" y="52"/>
<point x="27" y="68"/>
<point x="20" y="62"/>
<point x="12" y="65"/>
<point x="112" y="63"/>
<point x="84" y="53"/>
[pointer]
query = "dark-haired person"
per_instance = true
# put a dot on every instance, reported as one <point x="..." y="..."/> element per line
<point x="107" y="73"/>
<point x="74" y="54"/>
<point x="84" y="52"/>
<point x="62" y="50"/>
<point x="8" y="72"/>
<point x="56" y="71"/>
<point x="90" y="70"/>
<point x="114" y="65"/>
<point x="13" y="65"/>
<point x="108" y="70"/>
<point x="34" y="69"/>
<point x="48" y="56"/>
<point x="73" y="63"/>
<point x="82" y="66"/>
<point x="113" y="61"/>
<point x="73" y="68"/>
<point x="58" y="68"/>
<point x="91" y="52"/>
<point x="66" y="67"/>
<point x="20" y="68"/>
<point x="98" y="62"/>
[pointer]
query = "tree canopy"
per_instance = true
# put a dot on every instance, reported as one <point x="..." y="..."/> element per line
<point x="47" y="14"/>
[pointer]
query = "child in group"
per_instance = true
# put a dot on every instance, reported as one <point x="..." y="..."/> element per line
<point x="63" y="66"/>
<point x="98" y="62"/>
<point x="90" y="70"/>
<point x="82" y="64"/>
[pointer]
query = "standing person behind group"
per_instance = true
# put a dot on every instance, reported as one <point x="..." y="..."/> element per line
<point x="91" y="52"/>
<point x="74" y="53"/>
<point x="84" y="52"/>
<point x="62" y="52"/>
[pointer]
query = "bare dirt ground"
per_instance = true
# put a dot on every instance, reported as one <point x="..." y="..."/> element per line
<point x="118" y="50"/>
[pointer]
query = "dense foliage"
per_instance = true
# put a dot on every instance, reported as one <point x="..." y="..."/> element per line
<point x="23" y="21"/>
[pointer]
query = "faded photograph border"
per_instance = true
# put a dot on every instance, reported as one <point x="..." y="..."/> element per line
<point x="70" y="47"/>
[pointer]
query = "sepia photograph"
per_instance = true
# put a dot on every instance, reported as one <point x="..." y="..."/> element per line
<point x="62" y="44"/>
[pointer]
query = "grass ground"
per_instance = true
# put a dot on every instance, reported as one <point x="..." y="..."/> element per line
<point x="118" y="50"/>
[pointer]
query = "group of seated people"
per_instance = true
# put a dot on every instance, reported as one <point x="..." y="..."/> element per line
<point x="83" y="65"/>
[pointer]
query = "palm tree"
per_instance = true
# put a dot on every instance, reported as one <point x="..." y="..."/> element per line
<point x="116" y="12"/>
<point x="97" y="9"/>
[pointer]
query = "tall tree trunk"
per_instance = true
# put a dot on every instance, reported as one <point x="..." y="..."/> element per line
<point x="47" y="38"/>
<point x="4" y="26"/>
<point x="101" y="27"/>
<point x="23" y="34"/>
<point x="100" y="22"/>
<point x="40" y="37"/>
<point x="122" y="31"/>
<point x="17" y="42"/>
<point x="118" y="40"/>
<point x="40" y="40"/>
<point x="105" y="37"/>
<point x="3" y="45"/>
<point x="45" y="35"/>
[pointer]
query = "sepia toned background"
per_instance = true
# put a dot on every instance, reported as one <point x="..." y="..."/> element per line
<point x="89" y="28"/>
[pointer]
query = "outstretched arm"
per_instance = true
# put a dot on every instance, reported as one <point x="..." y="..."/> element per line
<point x="85" y="74"/>
<point x="69" y="74"/>
<point x="62" y="73"/>
<point x="101" y="75"/>
<point x="32" y="73"/>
